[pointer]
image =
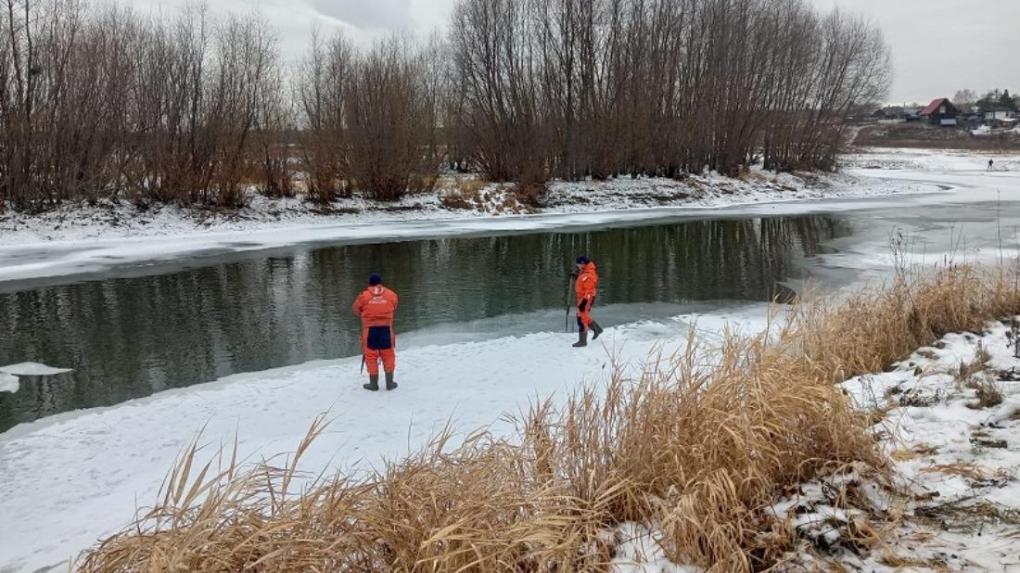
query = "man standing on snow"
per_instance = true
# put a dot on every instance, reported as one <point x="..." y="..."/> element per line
<point x="376" y="306"/>
<point x="586" y="288"/>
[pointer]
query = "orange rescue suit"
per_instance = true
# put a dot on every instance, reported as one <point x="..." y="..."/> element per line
<point x="376" y="306"/>
<point x="586" y="288"/>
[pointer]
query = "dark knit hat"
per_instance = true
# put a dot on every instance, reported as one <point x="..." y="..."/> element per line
<point x="582" y="260"/>
<point x="374" y="279"/>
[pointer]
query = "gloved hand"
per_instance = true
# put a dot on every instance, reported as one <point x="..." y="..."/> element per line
<point x="582" y="305"/>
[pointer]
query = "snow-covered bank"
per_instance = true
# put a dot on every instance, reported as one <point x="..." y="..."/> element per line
<point x="74" y="477"/>
<point x="107" y="220"/>
<point x="76" y="240"/>
<point x="950" y="426"/>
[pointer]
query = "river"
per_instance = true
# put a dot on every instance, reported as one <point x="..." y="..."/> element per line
<point x="127" y="337"/>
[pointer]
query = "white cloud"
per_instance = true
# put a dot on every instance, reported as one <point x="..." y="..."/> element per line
<point x="373" y="15"/>
<point x="939" y="46"/>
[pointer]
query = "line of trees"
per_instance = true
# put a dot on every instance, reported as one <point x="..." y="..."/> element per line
<point x="104" y="104"/>
<point x="97" y="102"/>
<point x="574" y="88"/>
<point x="370" y="119"/>
<point x="991" y="100"/>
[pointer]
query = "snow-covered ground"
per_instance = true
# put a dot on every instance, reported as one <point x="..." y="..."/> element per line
<point x="74" y="477"/>
<point x="76" y="240"/>
<point x="933" y="161"/>
<point x="950" y="425"/>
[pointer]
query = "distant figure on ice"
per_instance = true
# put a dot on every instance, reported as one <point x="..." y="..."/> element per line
<point x="586" y="288"/>
<point x="376" y="306"/>
<point x="991" y="162"/>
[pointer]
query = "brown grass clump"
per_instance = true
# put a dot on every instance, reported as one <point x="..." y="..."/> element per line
<point x="455" y="200"/>
<point x="973" y="375"/>
<point x="913" y="453"/>
<point x="699" y="450"/>
<point x="988" y="396"/>
<point x="976" y="475"/>
<point x="870" y="330"/>
<point x="901" y="562"/>
<point x="530" y="195"/>
<point x="463" y="194"/>
<point x="968" y="370"/>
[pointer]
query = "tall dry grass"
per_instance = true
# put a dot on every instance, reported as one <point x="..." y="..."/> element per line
<point x="699" y="450"/>
<point x="871" y="328"/>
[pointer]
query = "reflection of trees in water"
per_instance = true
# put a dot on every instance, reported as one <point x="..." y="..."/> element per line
<point x="131" y="337"/>
<point x="704" y="260"/>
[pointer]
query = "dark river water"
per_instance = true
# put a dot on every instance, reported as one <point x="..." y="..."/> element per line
<point x="130" y="337"/>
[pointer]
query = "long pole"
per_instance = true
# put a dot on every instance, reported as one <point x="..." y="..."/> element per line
<point x="566" y="319"/>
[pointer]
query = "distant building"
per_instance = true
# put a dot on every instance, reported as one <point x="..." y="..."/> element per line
<point x="997" y="115"/>
<point x="889" y="114"/>
<point x="970" y="117"/>
<point x="941" y="111"/>
<point x="896" y="114"/>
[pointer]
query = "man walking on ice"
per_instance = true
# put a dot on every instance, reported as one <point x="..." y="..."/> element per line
<point x="376" y="306"/>
<point x="586" y="288"/>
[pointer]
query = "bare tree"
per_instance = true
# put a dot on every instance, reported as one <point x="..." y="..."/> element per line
<point x="498" y="75"/>
<point x="387" y="113"/>
<point x="321" y="92"/>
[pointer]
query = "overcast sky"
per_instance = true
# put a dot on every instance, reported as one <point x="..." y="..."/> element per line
<point x="938" y="46"/>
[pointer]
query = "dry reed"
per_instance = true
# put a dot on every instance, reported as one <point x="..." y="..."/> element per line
<point x="699" y="450"/>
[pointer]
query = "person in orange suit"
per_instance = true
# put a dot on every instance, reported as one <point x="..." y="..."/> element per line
<point x="376" y="306"/>
<point x="586" y="286"/>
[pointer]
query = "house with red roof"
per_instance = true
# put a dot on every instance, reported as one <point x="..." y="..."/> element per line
<point x="941" y="111"/>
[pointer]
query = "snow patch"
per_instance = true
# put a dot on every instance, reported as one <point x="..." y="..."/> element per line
<point x="638" y="551"/>
<point x="9" y="383"/>
<point x="32" y="369"/>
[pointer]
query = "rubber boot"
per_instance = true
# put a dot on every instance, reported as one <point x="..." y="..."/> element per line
<point x="582" y="339"/>
<point x="596" y="330"/>
<point x="390" y="384"/>
<point x="373" y="383"/>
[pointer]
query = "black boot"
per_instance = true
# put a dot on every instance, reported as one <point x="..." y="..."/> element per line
<point x="596" y="329"/>
<point x="373" y="383"/>
<point x="390" y="384"/>
<point x="582" y="339"/>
